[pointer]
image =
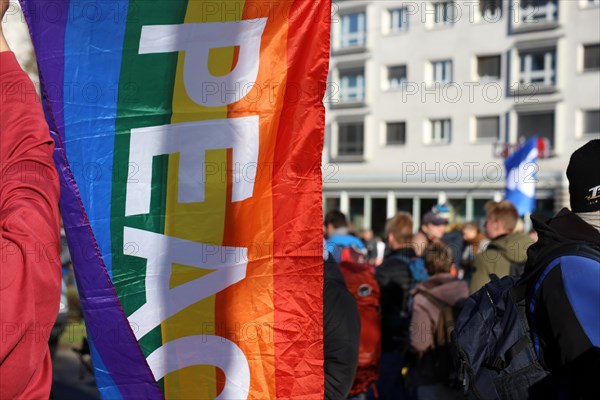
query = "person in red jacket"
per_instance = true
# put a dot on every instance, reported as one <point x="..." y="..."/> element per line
<point x="29" y="235"/>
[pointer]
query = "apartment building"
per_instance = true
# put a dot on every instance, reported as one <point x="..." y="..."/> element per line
<point x="424" y="96"/>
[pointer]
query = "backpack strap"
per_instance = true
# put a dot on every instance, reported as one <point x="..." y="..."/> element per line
<point x="439" y="303"/>
<point x="499" y="364"/>
<point x="494" y="291"/>
<point x="442" y="335"/>
<point x="416" y="267"/>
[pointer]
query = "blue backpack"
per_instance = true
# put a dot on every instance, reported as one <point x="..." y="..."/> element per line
<point x="492" y="339"/>
<point x="416" y="265"/>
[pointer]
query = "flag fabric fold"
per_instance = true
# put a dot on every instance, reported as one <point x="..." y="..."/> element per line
<point x="188" y="142"/>
<point x="521" y="168"/>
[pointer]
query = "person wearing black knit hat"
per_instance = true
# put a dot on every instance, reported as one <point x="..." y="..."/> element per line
<point x="584" y="182"/>
<point x="564" y="295"/>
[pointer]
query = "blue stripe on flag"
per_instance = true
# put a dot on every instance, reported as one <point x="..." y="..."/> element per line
<point x="521" y="171"/>
<point x="106" y="385"/>
<point x="90" y="99"/>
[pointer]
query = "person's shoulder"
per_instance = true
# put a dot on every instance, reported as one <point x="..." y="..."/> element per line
<point x="12" y="75"/>
<point x="387" y="264"/>
<point x="391" y="267"/>
<point x="490" y="252"/>
<point x="396" y="259"/>
<point x="356" y="242"/>
<point x="346" y="240"/>
<point x="458" y="288"/>
<point x="419" y="297"/>
<point x="8" y="63"/>
<point x="520" y="237"/>
<point x="419" y="236"/>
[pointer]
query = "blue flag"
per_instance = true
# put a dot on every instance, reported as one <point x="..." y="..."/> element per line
<point x="521" y="168"/>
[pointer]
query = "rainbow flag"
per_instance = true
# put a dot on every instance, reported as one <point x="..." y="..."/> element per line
<point x="188" y="140"/>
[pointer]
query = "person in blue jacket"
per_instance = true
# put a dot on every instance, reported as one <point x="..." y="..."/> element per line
<point x="338" y="236"/>
<point x="564" y="302"/>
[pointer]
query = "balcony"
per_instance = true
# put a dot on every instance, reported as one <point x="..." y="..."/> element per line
<point x="534" y="15"/>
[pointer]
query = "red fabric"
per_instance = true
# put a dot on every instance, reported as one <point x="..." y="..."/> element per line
<point x="29" y="238"/>
<point x="297" y="210"/>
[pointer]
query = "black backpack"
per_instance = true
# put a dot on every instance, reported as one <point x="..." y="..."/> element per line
<point x="492" y="338"/>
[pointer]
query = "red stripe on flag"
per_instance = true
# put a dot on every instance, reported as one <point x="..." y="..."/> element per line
<point x="297" y="207"/>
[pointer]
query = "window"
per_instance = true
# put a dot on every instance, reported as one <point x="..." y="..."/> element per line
<point x="488" y="128"/>
<point x="353" y="30"/>
<point x="444" y="13"/>
<point x="441" y="129"/>
<point x="591" y="122"/>
<point x="591" y="57"/>
<point x="488" y="68"/>
<point x="491" y="10"/>
<point x="332" y="203"/>
<point x="442" y="71"/>
<point x="404" y="205"/>
<point x="538" y="66"/>
<point x="399" y="20"/>
<point x="396" y="76"/>
<point x="540" y="124"/>
<point x="352" y="85"/>
<point x="593" y="2"/>
<point x="350" y="139"/>
<point x="532" y="11"/>
<point x="357" y="212"/>
<point x="396" y="133"/>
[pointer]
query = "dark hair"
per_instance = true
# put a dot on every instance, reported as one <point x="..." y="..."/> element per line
<point x="335" y="218"/>
<point x="438" y="258"/>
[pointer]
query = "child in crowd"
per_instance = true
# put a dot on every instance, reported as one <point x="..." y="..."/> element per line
<point x="441" y="290"/>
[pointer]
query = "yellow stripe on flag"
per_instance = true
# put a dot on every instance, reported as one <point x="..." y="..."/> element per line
<point x="200" y="222"/>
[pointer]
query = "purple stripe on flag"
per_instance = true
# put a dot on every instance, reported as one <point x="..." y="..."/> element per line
<point x="48" y="19"/>
<point x="110" y="332"/>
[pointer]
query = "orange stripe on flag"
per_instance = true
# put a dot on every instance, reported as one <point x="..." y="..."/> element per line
<point x="297" y="206"/>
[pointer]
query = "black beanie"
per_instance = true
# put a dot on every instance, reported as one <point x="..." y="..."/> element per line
<point x="583" y="173"/>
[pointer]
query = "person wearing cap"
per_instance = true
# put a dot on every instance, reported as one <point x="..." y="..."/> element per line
<point x="507" y="248"/>
<point x="432" y="229"/>
<point x="566" y="314"/>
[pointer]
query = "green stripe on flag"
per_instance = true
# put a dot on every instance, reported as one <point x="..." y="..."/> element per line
<point x="145" y="99"/>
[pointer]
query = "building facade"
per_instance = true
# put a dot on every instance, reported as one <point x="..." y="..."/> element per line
<point x="423" y="97"/>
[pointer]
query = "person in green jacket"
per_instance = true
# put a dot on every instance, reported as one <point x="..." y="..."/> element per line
<point x="506" y="253"/>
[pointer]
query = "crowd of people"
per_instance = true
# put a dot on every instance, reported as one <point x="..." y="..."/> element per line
<point x="414" y="281"/>
<point x="563" y="307"/>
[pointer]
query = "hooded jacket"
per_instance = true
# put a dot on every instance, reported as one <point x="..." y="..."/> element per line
<point x="567" y="310"/>
<point x="497" y="258"/>
<point x="426" y="314"/>
<point x="424" y="322"/>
